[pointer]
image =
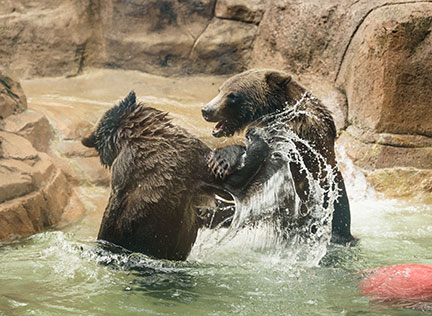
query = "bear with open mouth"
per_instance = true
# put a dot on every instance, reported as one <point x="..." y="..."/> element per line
<point x="257" y="98"/>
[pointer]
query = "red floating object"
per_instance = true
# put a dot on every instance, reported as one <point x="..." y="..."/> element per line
<point x="407" y="285"/>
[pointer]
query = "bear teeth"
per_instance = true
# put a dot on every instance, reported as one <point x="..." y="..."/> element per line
<point x="218" y="131"/>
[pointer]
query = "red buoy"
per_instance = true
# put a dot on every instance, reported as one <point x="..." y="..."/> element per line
<point x="407" y="285"/>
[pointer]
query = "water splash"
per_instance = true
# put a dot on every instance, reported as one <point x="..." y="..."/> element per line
<point x="358" y="188"/>
<point x="275" y="220"/>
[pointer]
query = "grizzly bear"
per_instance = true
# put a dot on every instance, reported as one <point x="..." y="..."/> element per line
<point x="159" y="177"/>
<point x="263" y="98"/>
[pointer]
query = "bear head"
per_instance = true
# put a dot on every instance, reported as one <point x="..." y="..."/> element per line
<point x="104" y="138"/>
<point x="248" y="96"/>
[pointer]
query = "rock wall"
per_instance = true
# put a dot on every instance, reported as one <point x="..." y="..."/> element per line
<point x="62" y="37"/>
<point x="44" y="38"/>
<point x="378" y="54"/>
<point x="387" y="76"/>
<point x="34" y="193"/>
<point x="369" y="61"/>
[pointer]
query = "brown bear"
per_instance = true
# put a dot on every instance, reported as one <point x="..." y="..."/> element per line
<point x="159" y="177"/>
<point x="263" y="98"/>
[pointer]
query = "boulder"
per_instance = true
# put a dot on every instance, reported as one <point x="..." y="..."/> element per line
<point x="17" y="147"/>
<point x="33" y="192"/>
<point x="371" y="151"/>
<point x="398" y="166"/>
<point x="387" y="74"/>
<point x="392" y="49"/>
<point x="32" y="125"/>
<point x="403" y="183"/>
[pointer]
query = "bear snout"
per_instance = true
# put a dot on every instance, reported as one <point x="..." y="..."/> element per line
<point x="208" y="114"/>
<point x="211" y="111"/>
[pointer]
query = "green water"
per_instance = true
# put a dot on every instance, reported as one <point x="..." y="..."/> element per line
<point x="65" y="272"/>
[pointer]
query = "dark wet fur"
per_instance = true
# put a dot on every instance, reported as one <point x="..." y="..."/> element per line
<point x="158" y="178"/>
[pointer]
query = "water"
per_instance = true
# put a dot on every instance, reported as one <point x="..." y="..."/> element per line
<point x="65" y="272"/>
<point x="260" y="221"/>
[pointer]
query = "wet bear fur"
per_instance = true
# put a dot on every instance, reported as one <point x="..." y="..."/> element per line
<point x="159" y="177"/>
<point x="249" y="100"/>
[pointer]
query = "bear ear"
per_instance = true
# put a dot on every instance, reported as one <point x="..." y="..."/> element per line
<point x="277" y="79"/>
<point x="89" y="141"/>
<point x="130" y="99"/>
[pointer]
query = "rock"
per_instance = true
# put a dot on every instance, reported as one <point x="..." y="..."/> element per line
<point x="403" y="183"/>
<point x="12" y="98"/>
<point x="62" y="37"/>
<point x="74" y="148"/>
<point x="386" y="73"/>
<point x="374" y="155"/>
<point x="33" y="126"/>
<point x="73" y="211"/>
<point x="224" y="47"/>
<point x="17" y="147"/>
<point x="14" y="184"/>
<point x="81" y="164"/>
<point x="240" y="10"/>
<point x="153" y="36"/>
<point x="306" y="37"/>
<point x="45" y="38"/>
<point x="35" y="211"/>
<point x="392" y="49"/>
<point x="33" y="192"/>
<point x="398" y="166"/>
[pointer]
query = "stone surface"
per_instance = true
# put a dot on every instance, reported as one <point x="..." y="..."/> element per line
<point x="62" y="37"/>
<point x="386" y="73"/>
<point x="45" y="38"/>
<point x="91" y="172"/>
<point x="73" y="211"/>
<point x="241" y="10"/>
<point x="17" y="147"/>
<point x="33" y="192"/>
<point x="403" y="183"/>
<point x="224" y="47"/>
<point x="12" y="98"/>
<point x="371" y="156"/>
<point x="14" y="184"/>
<point x="33" y="126"/>
<point x="306" y="36"/>
<point x="398" y="166"/>
<point x="153" y="36"/>
<point x="393" y="50"/>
